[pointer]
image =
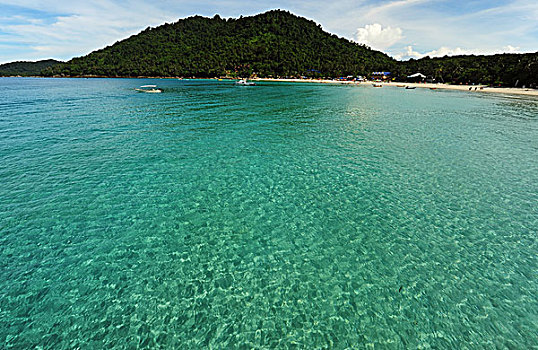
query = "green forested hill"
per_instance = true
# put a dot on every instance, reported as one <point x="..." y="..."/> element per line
<point x="26" y="68"/>
<point x="503" y="69"/>
<point x="279" y="44"/>
<point x="275" y="43"/>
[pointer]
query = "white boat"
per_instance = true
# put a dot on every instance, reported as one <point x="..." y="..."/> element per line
<point x="377" y="85"/>
<point x="149" y="89"/>
<point x="245" y="82"/>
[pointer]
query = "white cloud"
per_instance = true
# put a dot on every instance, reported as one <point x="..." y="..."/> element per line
<point x="392" y="6"/>
<point x="65" y="28"/>
<point x="510" y="49"/>
<point x="94" y="25"/>
<point x="377" y="37"/>
<point x="458" y="26"/>
<point x="446" y="51"/>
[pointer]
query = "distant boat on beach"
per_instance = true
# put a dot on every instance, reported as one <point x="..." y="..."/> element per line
<point x="410" y="87"/>
<point x="245" y="82"/>
<point x="149" y="89"/>
<point x="377" y="85"/>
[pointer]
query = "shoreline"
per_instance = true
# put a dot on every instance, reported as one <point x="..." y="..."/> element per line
<point x="432" y="86"/>
<point x="402" y="85"/>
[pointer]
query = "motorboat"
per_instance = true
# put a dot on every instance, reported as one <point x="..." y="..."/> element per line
<point x="245" y="82"/>
<point x="410" y="87"/>
<point x="149" y="89"/>
<point x="377" y="85"/>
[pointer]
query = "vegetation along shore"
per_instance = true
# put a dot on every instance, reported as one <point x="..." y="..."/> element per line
<point x="275" y="44"/>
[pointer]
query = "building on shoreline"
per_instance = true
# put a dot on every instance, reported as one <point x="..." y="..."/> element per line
<point x="382" y="76"/>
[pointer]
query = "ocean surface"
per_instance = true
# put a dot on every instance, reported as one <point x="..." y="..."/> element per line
<point x="282" y="215"/>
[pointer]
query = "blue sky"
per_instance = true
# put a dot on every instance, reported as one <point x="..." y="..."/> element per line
<point x="62" y="29"/>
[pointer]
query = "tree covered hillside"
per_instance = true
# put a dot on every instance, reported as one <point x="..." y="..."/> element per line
<point x="275" y="43"/>
<point x="279" y="44"/>
<point x="503" y="69"/>
<point x="26" y="68"/>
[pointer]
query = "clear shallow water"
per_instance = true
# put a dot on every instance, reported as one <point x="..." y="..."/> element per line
<point x="276" y="216"/>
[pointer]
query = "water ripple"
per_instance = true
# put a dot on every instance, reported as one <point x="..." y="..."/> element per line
<point x="274" y="216"/>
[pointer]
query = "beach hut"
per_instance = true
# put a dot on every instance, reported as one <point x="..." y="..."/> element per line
<point x="380" y="76"/>
<point x="417" y="77"/>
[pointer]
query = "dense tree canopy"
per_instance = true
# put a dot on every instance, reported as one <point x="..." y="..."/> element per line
<point x="275" y="44"/>
<point x="26" y="68"/>
<point x="504" y="69"/>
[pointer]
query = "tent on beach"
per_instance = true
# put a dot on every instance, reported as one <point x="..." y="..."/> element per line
<point x="416" y="77"/>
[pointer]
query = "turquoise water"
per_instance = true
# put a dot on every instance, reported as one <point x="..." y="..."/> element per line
<point x="276" y="216"/>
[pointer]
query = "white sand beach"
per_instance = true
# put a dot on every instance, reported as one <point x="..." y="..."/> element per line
<point x="468" y="88"/>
